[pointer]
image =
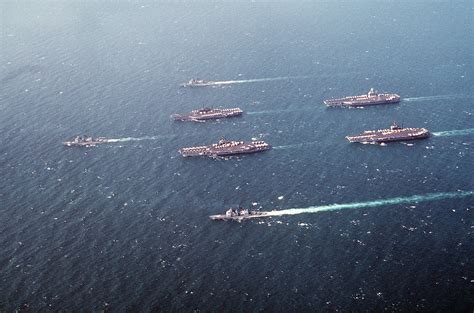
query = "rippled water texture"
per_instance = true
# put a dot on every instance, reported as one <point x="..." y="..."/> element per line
<point x="124" y="225"/>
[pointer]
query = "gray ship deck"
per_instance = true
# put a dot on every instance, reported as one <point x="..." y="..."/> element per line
<point x="386" y="135"/>
<point x="226" y="148"/>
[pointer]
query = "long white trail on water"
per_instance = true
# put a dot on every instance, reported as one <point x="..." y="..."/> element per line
<point x="374" y="203"/>
<point x="256" y="80"/>
<point x="456" y="132"/>
<point x="439" y="97"/>
<point x="126" y="139"/>
<point x="296" y="145"/>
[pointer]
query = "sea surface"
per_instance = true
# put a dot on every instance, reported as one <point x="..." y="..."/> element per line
<point x="124" y="226"/>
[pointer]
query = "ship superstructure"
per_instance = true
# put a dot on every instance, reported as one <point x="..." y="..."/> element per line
<point x="394" y="133"/>
<point x="197" y="83"/>
<point x="207" y="114"/>
<point x="238" y="215"/>
<point x="226" y="147"/>
<point x="85" y="141"/>
<point x="371" y="98"/>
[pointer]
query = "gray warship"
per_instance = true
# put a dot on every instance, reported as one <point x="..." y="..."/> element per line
<point x="225" y="148"/>
<point x="198" y="83"/>
<point x="85" y="141"/>
<point x="394" y="133"/>
<point x="371" y="98"/>
<point x="238" y="215"/>
<point x="207" y="114"/>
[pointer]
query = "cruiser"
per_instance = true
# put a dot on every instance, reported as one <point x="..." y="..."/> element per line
<point x="84" y="141"/>
<point x="225" y="148"/>
<point x="197" y="83"/>
<point x="207" y="114"/>
<point x="395" y="133"/>
<point x="237" y="215"/>
<point x="371" y="98"/>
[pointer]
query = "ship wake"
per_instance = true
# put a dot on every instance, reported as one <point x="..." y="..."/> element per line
<point x="293" y="146"/>
<point x="279" y="111"/>
<point x="374" y="203"/>
<point x="270" y="112"/>
<point x="440" y="97"/>
<point x="127" y="139"/>
<point x="456" y="132"/>
<point x="257" y="80"/>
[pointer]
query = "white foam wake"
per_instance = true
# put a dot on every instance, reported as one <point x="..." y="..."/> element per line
<point x="126" y="139"/>
<point x="439" y="97"/>
<point x="280" y="111"/>
<point x="296" y="145"/>
<point x="257" y="80"/>
<point x="456" y="132"/>
<point x="288" y="146"/>
<point x="271" y="111"/>
<point x="374" y="203"/>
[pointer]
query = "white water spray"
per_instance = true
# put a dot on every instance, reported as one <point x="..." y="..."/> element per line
<point x="127" y="139"/>
<point x="270" y="112"/>
<point x="456" y="132"/>
<point x="288" y="147"/>
<point x="433" y="98"/>
<point x="296" y="145"/>
<point x="374" y="203"/>
<point x="257" y="80"/>
<point x="279" y="111"/>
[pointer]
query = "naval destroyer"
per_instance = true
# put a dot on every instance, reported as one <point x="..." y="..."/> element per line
<point x="394" y="133"/>
<point x="371" y="98"/>
<point x="198" y="83"/>
<point x="237" y="215"/>
<point x="85" y="141"/>
<point x="207" y="114"/>
<point x="226" y="147"/>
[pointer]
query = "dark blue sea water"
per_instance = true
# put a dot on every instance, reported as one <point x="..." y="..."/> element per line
<point x="125" y="227"/>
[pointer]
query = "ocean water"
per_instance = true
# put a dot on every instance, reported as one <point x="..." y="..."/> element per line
<point x="124" y="226"/>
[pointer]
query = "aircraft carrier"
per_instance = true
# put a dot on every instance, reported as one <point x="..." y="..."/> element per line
<point x="207" y="114"/>
<point x="198" y="83"/>
<point x="371" y="98"/>
<point x="394" y="133"/>
<point x="85" y="141"/>
<point x="225" y="148"/>
<point x="237" y="215"/>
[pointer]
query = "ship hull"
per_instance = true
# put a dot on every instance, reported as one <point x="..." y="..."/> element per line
<point x="225" y="148"/>
<point x="364" y="100"/>
<point x="336" y="103"/>
<point x="379" y="138"/>
<point x="198" y="83"/>
<point x="222" y="153"/>
<point x="200" y="118"/>
<point x="239" y="218"/>
<point x="83" y="144"/>
<point x="91" y="143"/>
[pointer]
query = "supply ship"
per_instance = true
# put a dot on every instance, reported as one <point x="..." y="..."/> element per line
<point x="394" y="133"/>
<point x="85" y="141"/>
<point x="371" y="98"/>
<point x="207" y="114"/>
<point x="225" y="147"/>
<point x="198" y="83"/>
<point x="237" y="215"/>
